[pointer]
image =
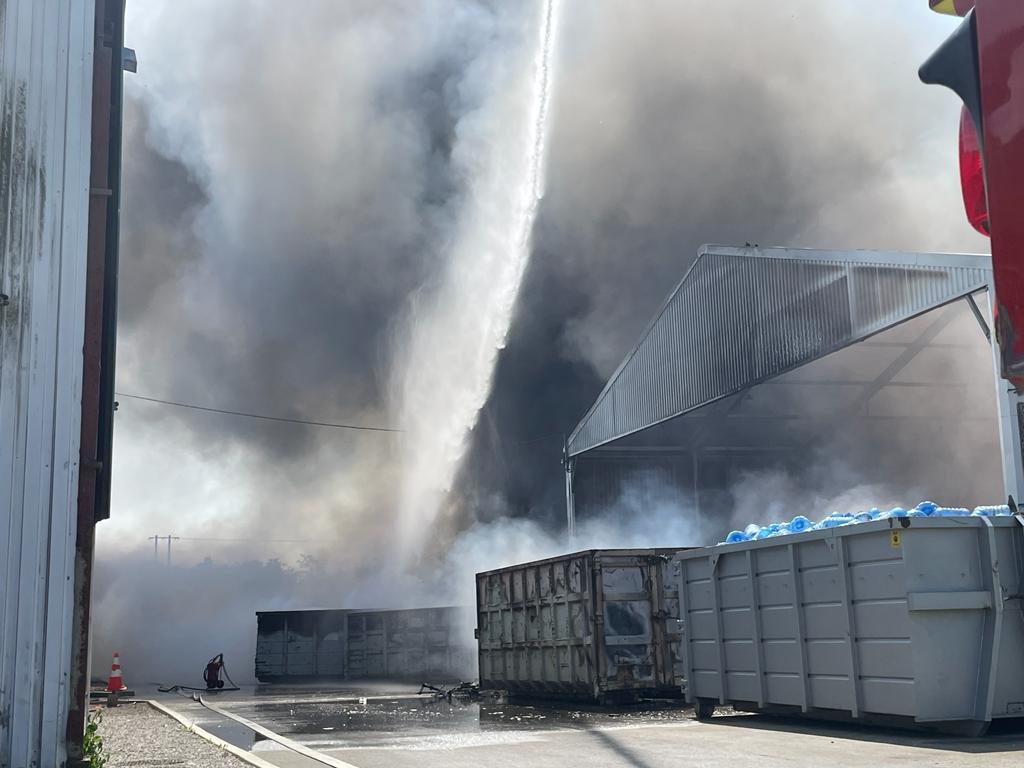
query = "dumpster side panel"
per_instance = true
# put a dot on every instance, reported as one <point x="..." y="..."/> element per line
<point x="918" y="618"/>
<point x="332" y="644"/>
<point x="947" y="642"/>
<point x="411" y="644"/>
<point x="535" y="627"/>
<point x="270" y="646"/>
<point x="414" y="644"/>
<point x="300" y="644"/>
<point x="1008" y="694"/>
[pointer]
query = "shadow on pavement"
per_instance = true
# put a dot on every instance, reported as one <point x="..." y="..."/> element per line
<point x="1003" y="736"/>
<point x="615" y="745"/>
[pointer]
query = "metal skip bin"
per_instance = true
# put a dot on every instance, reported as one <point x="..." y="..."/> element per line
<point x="905" y="620"/>
<point x="408" y="644"/>
<point x="596" y="625"/>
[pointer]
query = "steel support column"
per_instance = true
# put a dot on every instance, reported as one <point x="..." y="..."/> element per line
<point x="570" y="500"/>
<point x="1009" y="405"/>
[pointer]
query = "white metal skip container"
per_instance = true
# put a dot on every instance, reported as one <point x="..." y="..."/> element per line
<point x="907" y="620"/>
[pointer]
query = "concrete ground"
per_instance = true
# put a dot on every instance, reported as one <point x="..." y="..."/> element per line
<point x="136" y="735"/>
<point x="398" y="730"/>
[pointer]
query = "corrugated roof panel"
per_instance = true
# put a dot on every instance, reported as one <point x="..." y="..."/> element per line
<point x="743" y="315"/>
<point x="45" y="129"/>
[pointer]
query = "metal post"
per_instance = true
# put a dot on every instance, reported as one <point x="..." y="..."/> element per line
<point x="696" y="482"/>
<point x="168" y="549"/>
<point x="1008" y="403"/>
<point x="570" y="500"/>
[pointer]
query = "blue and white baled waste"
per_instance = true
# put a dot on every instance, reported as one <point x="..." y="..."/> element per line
<point x="799" y="524"/>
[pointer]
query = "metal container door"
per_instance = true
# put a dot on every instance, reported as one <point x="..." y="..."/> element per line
<point x="628" y="658"/>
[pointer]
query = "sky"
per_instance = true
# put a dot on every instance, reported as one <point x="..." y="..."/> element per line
<point x="289" y="190"/>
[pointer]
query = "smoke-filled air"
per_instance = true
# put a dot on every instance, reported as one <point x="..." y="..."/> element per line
<point x="422" y="234"/>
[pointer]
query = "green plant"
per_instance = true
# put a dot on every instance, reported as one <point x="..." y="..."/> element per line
<point x="92" y="744"/>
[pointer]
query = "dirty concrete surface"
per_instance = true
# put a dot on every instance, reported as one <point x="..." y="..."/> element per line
<point x="136" y="735"/>
<point x="394" y="728"/>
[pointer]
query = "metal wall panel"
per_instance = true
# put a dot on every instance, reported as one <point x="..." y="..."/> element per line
<point x="743" y="315"/>
<point x="45" y="118"/>
<point x="916" y="617"/>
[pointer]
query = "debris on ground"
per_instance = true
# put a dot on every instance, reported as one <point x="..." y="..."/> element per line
<point x="460" y="692"/>
<point x="135" y="735"/>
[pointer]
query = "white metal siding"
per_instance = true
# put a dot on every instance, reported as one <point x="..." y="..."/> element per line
<point x="45" y="112"/>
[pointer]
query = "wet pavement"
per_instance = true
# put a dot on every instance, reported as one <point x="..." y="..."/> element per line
<point x="423" y="724"/>
<point x="388" y="725"/>
<point x="363" y="717"/>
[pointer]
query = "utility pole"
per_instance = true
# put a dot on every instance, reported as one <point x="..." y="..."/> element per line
<point x="169" y="537"/>
<point x="156" y="544"/>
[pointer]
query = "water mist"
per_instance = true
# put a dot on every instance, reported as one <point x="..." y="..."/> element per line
<point x="444" y="368"/>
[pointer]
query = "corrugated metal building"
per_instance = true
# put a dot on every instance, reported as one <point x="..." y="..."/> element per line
<point x="732" y="371"/>
<point x="60" y="75"/>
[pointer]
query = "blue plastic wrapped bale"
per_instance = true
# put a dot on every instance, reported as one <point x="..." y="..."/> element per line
<point x="1000" y="510"/>
<point x="799" y="524"/>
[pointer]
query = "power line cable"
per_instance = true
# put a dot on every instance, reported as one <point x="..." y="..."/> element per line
<point x="227" y="412"/>
<point x="257" y="541"/>
<point x="195" y="407"/>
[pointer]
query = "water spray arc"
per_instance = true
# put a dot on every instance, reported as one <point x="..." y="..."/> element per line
<point x="443" y="374"/>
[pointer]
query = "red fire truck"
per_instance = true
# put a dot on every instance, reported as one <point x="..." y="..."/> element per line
<point x="983" y="62"/>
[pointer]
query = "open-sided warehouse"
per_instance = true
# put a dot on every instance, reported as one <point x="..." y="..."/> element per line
<point x="598" y="625"/>
<point x="760" y="354"/>
<point x="413" y="644"/>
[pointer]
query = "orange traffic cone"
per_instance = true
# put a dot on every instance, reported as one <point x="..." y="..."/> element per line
<point x="114" y="682"/>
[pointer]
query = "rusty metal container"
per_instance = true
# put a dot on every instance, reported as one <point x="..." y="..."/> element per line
<point x="599" y="625"/>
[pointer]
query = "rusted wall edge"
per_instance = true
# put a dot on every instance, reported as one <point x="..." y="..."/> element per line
<point x="98" y="348"/>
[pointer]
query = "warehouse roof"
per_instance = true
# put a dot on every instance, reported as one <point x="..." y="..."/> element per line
<point x="745" y="316"/>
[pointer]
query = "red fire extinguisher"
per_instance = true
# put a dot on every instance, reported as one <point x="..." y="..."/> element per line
<point x="211" y="675"/>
